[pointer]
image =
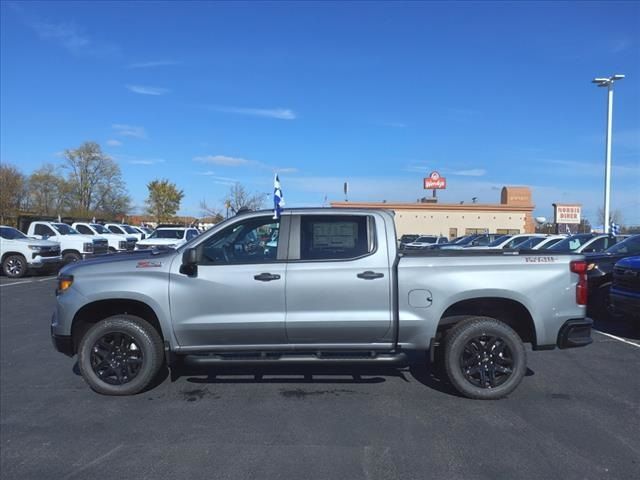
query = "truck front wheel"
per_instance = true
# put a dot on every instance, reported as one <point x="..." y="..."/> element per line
<point x="484" y="358"/>
<point x="14" y="266"/>
<point x="120" y="355"/>
<point x="70" y="257"/>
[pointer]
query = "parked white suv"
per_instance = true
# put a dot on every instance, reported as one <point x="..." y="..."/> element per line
<point x="167" y="237"/>
<point x="20" y="253"/>
<point x="73" y="245"/>
<point x="117" y="242"/>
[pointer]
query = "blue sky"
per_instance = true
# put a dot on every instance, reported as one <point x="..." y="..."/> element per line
<point x="379" y="94"/>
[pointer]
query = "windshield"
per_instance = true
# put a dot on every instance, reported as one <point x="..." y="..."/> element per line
<point x="408" y="238"/>
<point x="129" y="229"/>
<point x="630" y="245"/>
<point x="9" y="233"/>
<point x="173" y="234"/>
<point x="99" y="228"/>
<point x="570" y="244"/>
<point x="529" y="242"/>
<point x="466" y="240"/>
<point x="64" y="229"/>
<point x="499" y="240"/>
<point x="426" y="239"/>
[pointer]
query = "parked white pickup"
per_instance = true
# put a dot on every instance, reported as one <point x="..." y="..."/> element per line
<point x="73" y="245"/>
<point x="117" y="242"/>
<point x="20" y="253"/>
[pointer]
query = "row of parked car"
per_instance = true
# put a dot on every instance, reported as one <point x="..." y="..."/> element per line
<point x="46" y="245"/>
<point x="613" y="270"/>
<point x="579" y="243"/>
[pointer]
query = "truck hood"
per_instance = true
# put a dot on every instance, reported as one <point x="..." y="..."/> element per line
<point x="630" y="262"/>
<point x="160" y="241"/>
<point x="134" y="257"/>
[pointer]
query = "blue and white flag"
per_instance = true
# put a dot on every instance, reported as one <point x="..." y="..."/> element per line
<point x="278" y="198"/>
<point x="614" y="228"/>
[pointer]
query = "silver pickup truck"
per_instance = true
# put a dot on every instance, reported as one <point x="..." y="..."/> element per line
<point x="318" y="286"/>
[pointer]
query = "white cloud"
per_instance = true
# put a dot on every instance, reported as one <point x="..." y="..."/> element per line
<point x="279" y="113"/>
<point x="129" y="130"/>
<point x="474" y="172"/>
<point x="113" y="143"/>
<point x="227" y="161"/>
<point x="146" y="161"/>
<point x="153" y="63"/>
<point x="224" y="160"/>
<point x="147" y="90"/>
<point x="425" y="169"/>
<point x="68" y="35"/>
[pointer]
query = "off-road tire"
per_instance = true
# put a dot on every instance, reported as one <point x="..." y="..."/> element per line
<point x="471" y="331"/>
<point x="147" y="340"/>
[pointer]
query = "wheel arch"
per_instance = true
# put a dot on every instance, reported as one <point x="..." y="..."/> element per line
<point x="93" y="312"/>
<point x="506" y="310"/>
<point x="8" y="254"/>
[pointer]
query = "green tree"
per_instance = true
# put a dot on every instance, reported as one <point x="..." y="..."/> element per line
<point x="12" y="191"/>
<point x="164" y="199"/>
<point x="95" y="182"/>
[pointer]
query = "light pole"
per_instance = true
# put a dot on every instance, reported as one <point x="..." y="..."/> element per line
<point x="608" y="82"/>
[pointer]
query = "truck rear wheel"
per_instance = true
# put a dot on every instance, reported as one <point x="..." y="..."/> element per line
<point x="484" y="358"/>
<point x="120" y="355"/>
<point x="14" y="266"/>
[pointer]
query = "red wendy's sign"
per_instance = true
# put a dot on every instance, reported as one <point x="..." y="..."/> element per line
<point x="435" y="182"/>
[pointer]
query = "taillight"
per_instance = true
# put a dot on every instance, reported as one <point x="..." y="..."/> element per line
<point x="580" y="267"/>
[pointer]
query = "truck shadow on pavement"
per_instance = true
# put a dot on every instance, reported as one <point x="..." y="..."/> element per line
<point x="292" y="374"/>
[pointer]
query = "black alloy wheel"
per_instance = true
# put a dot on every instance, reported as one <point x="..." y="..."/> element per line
<point x="484" y="358"/>
<point x="486" y="361"/>
<point x="116" y="358"/>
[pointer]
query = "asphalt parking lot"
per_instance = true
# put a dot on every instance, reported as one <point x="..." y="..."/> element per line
<point x="575" y="416"/>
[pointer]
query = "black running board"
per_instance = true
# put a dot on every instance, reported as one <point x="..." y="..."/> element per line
<point x="298" y="359"/>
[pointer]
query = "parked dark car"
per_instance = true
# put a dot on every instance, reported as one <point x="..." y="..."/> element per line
<point x="479" y="240"/>
<point x="600" y="274"/>
<point x="625" y="289"/>
<point x="407" y="238"/>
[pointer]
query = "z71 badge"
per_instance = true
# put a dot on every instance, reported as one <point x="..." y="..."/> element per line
<point x="148" y="264"/>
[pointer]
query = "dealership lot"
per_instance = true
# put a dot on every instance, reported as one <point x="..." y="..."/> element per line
<point x="576" y="415"/>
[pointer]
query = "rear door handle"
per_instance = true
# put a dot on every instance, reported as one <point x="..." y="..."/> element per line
<point x="369" y="275"/>
<point x="266" y="277"/>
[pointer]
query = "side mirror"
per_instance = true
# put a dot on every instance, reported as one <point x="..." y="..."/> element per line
<point x="189" y="262"/>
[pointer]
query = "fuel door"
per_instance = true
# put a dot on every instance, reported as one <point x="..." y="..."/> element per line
<point x="420" y="298"/>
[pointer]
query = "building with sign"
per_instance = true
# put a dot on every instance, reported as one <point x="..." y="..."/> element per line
<point x="512" y="215"/>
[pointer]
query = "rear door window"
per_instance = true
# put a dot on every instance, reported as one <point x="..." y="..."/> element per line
<point x="339" y="237"/>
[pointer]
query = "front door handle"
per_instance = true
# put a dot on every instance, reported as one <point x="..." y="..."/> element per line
<point x="266" y="277"/>
<point x="369" y="275"/>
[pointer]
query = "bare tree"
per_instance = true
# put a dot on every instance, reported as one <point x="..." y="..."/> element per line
<point x="614" y="215"/>
<point x="12" y="191"/>
<point x="238" y="197"/>
<point x="48" y="191"/>
<point x="95" y="181"/>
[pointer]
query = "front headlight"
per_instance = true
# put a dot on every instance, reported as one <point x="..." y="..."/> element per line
<point x="35" y="248"/>
<point x="88" y="247"/>
<point x="64" y="282"/>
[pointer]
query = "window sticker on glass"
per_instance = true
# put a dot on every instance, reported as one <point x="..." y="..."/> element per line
<point x="335" y="235"/>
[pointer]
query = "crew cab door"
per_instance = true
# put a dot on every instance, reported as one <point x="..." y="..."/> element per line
<point x="338" y="280"/>
<point x="236" y="295"/>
